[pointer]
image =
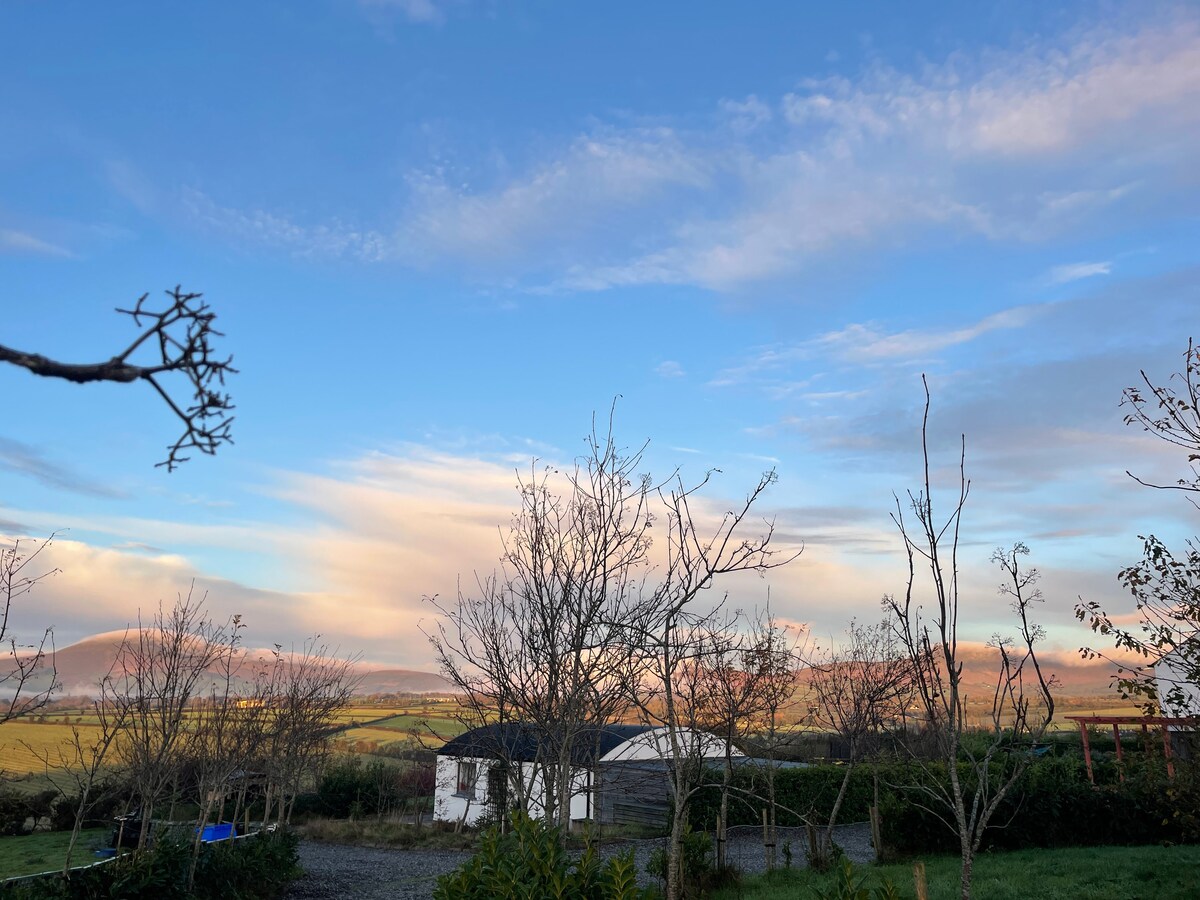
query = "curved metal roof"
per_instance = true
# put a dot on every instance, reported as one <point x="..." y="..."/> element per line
<point x="519" y="741"/>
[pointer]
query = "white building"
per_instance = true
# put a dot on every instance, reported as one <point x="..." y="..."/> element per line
<point x="1177" y="684"/>
<point x="611" y="765"/>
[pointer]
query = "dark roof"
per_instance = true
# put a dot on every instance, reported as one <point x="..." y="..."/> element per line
<point x="519" y="741"/>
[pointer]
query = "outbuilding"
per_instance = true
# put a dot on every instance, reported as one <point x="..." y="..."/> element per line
<point x="619" y="773"/>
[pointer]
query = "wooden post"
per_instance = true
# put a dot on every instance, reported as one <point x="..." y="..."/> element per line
<point x="1120" y="757"/>
<point x="876" y="833"/>
<point x="768" y="844"/>
<point x="1167" y="751"/>
<point x="720" y="838"/>
<point x="1087" y="751"/>
<point x="919" y="881"/>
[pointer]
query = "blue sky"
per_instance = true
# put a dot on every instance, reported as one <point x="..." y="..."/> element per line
<point x="439" y="235"/>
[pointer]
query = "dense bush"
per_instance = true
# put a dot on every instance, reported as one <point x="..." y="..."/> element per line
<point x="17" y="810"/>
<point x="813" y="789"/>
<point x="1053" y="805"/>
<point x="256" y="868"/>
<point x="350" y="788"/>
<point x="530" y="861"/>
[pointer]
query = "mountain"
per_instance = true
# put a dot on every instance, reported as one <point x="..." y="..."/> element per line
<point x="81" y="666"/>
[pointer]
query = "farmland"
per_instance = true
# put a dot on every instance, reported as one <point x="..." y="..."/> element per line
<point x="363" y="728"/>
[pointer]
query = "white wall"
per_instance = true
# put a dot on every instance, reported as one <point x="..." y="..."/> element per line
<point x="447" y="804"/>
<point x="1173" y="669"/>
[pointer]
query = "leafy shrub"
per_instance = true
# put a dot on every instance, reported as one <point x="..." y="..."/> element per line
<point x="256" y="868"/>
<point x="1054" y="805"/>
<point x="852" y="886"/>
<point x="530" y="861"/>
<point x="350" y="788"/>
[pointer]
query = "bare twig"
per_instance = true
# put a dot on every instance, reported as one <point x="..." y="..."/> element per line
<point x="182" y="335"/>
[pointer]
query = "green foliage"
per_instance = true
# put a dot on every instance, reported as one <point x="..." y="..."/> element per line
<point x="1054" y="805"/>
<point x="852" y="886"/>
<point x="697" y="847"/>
<point x="256" y="868"/>
<point x="531" y="862"/>
<point x="18" y="810"/>
<point x="350" y="789"/>
<point x="813" y="789"/>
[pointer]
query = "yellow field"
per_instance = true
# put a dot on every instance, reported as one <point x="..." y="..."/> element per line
<point x="24" y="744"/>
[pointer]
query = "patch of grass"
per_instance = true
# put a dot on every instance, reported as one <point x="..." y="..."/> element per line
<point x="375" y="833"/>
<point x="1098" y="873"/>
<point x="45" y="851"/>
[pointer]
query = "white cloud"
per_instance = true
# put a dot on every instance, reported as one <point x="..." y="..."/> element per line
<point x="1065" y="274"/>
<point x="1015" y="145"/>
<point x="863" y="344"/>
<point x="20" y="242"/>
<point x="424" y="12"/>
<point x="669" y="369"/>
<point x="260" y="228"/>
<point x="866" y="343"/>
<point x="746" y="115"/>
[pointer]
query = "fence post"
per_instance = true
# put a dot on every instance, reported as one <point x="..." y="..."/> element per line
<point x="768" y="842"/>
<point x="876" y="833"/>
<point x="919" y="881"/>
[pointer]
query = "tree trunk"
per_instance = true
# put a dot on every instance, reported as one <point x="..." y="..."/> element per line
<point x="77" y="825"/>
<point x="675" y="854"/>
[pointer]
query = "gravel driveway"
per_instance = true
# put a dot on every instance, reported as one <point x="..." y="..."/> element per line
<point x="338" y="870"/>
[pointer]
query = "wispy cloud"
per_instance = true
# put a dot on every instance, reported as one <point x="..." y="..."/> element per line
<point x="258" y="228"/>
<point x="1069" y="272"/>
<point x="990" y="144"/>
<point x="424" y="12"/>
<point x="867" y="343"/>
<point x="20" y="242"/>
<point x="669" y="369"/>
<point x="862" y="344"/>
<point x="34" y="463"/>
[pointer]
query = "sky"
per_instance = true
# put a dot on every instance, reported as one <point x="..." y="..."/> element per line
<point x="440" y="235"/>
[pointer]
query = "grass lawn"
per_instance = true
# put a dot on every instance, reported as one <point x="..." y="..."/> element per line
<point x="44" y="851"/>
<point x="1097" y="873"/>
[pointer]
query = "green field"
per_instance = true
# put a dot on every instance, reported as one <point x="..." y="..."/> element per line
<point x="1097" y="873"/>
<point x="46" y="850"/>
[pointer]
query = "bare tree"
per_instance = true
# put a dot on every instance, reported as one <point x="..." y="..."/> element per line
<point x="861" y="688"/>
<point x="304" y="690"/>
<point x="747" y="679"/>
<point x="162" y="668"/>
<point x="774" y="653"/>
<point x="26" y="664"/>
<point x="219" y="744"/>
<point x="1171" y="412"/>
<point x="81" y="768"/>
<point x="180" y="338"/>
<point x="674" y="637"/>
<point x="543" y="647"/>
<point x="1022" y="705"/>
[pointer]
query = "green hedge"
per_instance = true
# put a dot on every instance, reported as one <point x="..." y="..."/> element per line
<point x="1053" y="805"/>
<point x="255" y="868"/>
<point x="813" y="788"/>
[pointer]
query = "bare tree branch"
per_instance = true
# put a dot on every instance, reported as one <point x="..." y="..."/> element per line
<point x="182" y="337"/>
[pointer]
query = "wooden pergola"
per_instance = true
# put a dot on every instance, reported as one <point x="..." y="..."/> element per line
<point x="1163" y="722"/>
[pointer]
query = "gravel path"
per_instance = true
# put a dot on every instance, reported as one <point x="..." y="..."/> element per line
<point x="338" y="870"/>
